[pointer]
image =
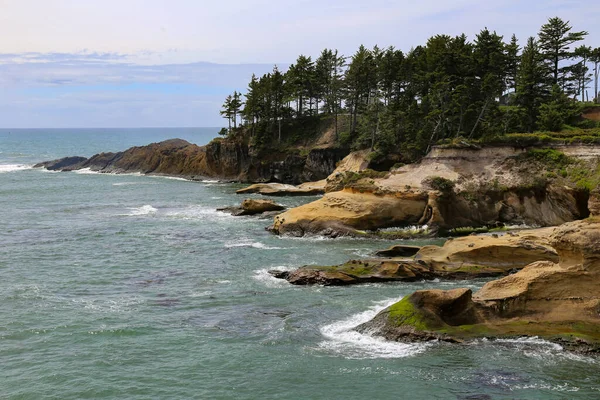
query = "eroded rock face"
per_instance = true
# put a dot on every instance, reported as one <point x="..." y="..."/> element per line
<point x="347" y="211"/>
<point x="559" y="301"/>
<point x="594" y="202"/>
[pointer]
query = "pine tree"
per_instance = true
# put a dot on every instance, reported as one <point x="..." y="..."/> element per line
<point x="595" y="58"/>
<point x="555" y="39"/>
<point x="226" y="111"/>
<point x="581" y="70"/>
<point x="532" y="85"/>
<point x="512" y="63"/>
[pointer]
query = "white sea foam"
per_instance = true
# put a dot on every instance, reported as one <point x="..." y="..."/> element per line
<point x="199" y="213"/>
<point x="210" y="181"/>
<point x="14" y="167"/>
<point x="85" y="171"/>
<point x="546" y="352"/>
<point x="143" y="210"/>
<point x="89" y="171"/>
<point x="174" y="178"/>
<point x="342" y="339"/>
<point x="134" y="183"/>
<point x="256" y="245"/>
<point x="263" y="276"/>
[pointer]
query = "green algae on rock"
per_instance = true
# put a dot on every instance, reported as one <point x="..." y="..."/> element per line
<point x="556" y="301"/>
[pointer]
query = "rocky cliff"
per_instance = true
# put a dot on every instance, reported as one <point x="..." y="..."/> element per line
<point x="220" y="159"/>
<point x="453" y="188"/>
<point x="555" y="300"/>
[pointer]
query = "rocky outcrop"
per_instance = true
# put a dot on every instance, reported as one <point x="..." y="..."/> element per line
<point x="463" y="258"/>
<point x="455" y="187"/>
<point x="220" y="159"/>
<point x="62" y="164"/>
<point x="556" y="300"/>
<point x="281" y="189"/>
<point x="253" y="207"/>
<point x="354" y="162"/>
<point x="347" y="212"/>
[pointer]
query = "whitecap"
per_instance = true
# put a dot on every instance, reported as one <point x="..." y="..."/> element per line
<point x="263" y="276"/>
<point x="143" y="210"/>
<point x="256" y="245"/>
<point x="85" y="171"/>
<point x="543" y="350"/>
<point x="14" y="167"/>
<point x="199" y="213"/>
<point x="341" y="338"/>
<point x="174" y="178"/>
<point x="132" y="183"/>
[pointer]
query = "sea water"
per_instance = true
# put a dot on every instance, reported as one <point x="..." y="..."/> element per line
<point x="135" y="287"/>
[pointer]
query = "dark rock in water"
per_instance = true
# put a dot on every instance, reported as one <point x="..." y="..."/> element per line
<point x="279" y="274"/>
<point x="63" y="164"/>
<point x="233" y="210"/>
<point x="254" y="207"/>
<point x="399" y="250"/>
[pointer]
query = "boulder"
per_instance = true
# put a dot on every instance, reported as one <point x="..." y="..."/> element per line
<point x="253" y="207"/>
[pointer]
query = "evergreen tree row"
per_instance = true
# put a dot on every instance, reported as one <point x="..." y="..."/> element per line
<point x="450" y="87"/>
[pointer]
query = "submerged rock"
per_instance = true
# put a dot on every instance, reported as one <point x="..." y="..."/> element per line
<point x="558" y="301"/>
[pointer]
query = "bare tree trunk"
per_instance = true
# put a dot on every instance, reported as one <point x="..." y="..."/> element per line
<point x="596" y="72"/>
<point x="479" y="118"/>
<point x="437" y="126"/>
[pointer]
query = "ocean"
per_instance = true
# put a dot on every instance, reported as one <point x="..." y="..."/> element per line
<point x="135" y="287"/>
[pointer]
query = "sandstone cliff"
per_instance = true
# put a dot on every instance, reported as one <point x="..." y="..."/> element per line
<point x="453" y="188"/>
<point x="555" y="300"/>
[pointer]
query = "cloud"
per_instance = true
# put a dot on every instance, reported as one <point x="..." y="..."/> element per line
<point x="171" y="62"/>
<point x="107" y="90"/>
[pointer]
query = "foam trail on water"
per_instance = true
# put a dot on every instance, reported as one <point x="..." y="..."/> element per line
<point x="14" y="167"/>
<point x="343" y="340"/>
<point x="143" y="210"/>
<point x="199" y="213"/>
<point x="256" y="245"/>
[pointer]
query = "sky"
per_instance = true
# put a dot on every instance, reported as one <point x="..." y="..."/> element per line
<point x="171" y="63"/>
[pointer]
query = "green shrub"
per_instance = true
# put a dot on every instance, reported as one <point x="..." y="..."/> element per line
<point x="439" y="183"/>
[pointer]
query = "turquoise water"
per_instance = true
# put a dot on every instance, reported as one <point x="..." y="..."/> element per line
<point x="134" y="287"/>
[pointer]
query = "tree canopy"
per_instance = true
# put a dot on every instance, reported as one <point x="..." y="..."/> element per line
<point x="449" y="87"/>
